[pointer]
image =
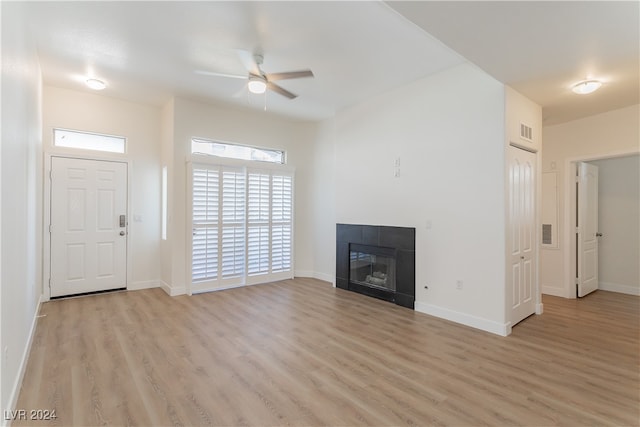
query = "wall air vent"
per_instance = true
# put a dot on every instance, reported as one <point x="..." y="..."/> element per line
<point x="526" y="132"/>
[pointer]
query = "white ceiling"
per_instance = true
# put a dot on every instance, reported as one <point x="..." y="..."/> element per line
<point x="150" y="51"/>
<point x="542" y="48"/>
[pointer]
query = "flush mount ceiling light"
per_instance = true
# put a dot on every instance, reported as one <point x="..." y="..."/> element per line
<point x="96" y="84"/>
<point x="586" y="86"/>
<point x="257" y="84"/>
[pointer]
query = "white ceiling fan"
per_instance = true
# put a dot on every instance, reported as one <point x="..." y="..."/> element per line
<point x="258" y="80"/>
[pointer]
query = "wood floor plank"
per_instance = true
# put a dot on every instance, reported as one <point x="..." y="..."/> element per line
<point x="300" y="352"/>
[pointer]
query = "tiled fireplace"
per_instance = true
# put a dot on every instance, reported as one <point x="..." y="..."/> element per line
<point x="378" y="261"/>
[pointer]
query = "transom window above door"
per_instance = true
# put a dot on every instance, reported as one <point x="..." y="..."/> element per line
<point x="89" y="141"/>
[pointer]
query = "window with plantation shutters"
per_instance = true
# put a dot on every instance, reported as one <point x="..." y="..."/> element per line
<point x="242" y="226"/>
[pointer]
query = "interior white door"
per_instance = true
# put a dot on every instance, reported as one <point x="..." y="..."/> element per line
<point x="587" y="228"/>
<point x="88" y="226"/>
<point x="521" y="220"/>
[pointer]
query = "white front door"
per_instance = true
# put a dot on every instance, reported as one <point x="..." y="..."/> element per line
<point x="88" y="226"/>
<point x="587" y="228"/>
<point x="522" y="242"/>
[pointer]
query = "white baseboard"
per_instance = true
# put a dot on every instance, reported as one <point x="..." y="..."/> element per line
<point x="502" y="329"/>
<point x="623" y="289"/>
<point x="303" y="273"/>
<point x="143" y="284"/>
<point x="552" y="290"/>
<point x="315" y="275"/>
<point x="325" y="278"/>
<point x="17" y="385"/>
<point x="171" y="290"/>
<point x="539" y="308"/>
<point x="223" y="288"/>
<point x="507" y="329"/>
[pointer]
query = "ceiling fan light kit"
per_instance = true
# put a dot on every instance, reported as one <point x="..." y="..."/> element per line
<point x="258" y="80"/>
<point x="586" y="86"/>
<point x="257" y="84"/>
<point x="95" y="84"/>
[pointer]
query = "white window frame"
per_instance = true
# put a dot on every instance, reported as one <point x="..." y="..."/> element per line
<point x="89" y="149"/>
<point x="234" y="144"/>
<point x="196" y="160"/>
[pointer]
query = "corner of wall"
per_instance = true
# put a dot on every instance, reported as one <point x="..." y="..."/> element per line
<point x="171" y="290"/>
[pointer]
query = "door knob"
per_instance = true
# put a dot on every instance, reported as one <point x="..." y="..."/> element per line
<point x="521" y="257"/>
<point x="598" y="234"/>
<point x="122" y="233"/>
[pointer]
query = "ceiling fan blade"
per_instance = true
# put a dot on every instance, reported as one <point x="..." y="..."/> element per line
<point x="289" y="75"/>
<point x="277" y="89"/>
<point x="213" y="73"/>
<point x="248" y="60"/>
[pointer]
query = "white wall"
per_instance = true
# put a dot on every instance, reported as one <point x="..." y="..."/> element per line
<point x="140" y="124"/>
<point x="619" y="222"/>
<point x="242" y="126"/>
<point x="20" y="178"/>
<point x="448" y="130"/>
<point x="521" y="110"/>
<point x="166" y="156"/>
<point x="323" y="202"/>
<point x="610" y="134"/>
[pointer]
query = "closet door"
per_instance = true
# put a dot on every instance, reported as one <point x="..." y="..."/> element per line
<point x="521" y="234"/>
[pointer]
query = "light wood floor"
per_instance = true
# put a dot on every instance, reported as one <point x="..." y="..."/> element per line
<point x="300" y="352"/>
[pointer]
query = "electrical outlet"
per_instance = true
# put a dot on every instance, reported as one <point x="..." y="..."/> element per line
<point x="459" y="284"/>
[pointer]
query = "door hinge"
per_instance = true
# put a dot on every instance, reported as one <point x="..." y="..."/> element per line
<point x="578" y="178"/>
<point x="50" y="228"/>
<point x="49" y="282"/>
<point x="50" y="175"/>
<point x="577" y="281"/>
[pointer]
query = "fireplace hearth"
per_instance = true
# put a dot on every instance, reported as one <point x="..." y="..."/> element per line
<point x="377" y="261"/>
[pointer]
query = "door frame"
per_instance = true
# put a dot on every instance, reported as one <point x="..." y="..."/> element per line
<point x="46" y="220"/>
<point x="570" y="249"/>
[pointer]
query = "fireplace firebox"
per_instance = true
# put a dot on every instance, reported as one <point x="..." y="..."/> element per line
<point x="372" y="266"/>
<point x="377" y="261"/>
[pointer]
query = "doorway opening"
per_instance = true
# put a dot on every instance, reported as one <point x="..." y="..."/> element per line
<point x="612" y="264"/>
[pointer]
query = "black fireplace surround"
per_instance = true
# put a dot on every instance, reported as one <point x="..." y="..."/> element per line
<point x="399" y="242"/>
